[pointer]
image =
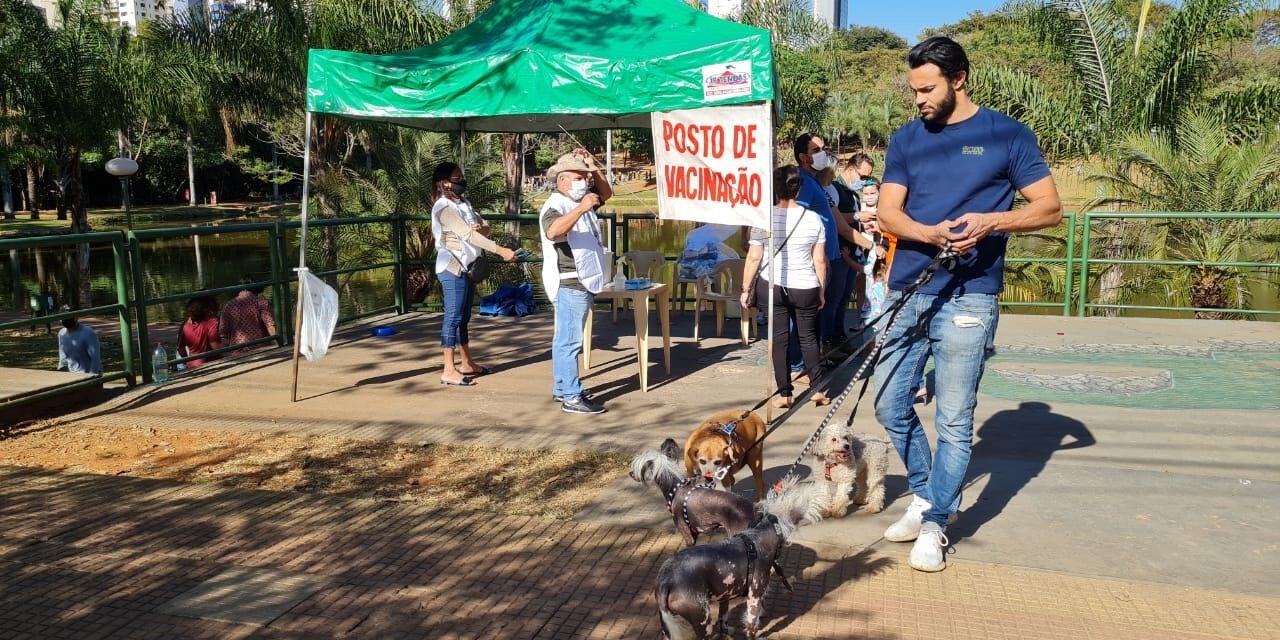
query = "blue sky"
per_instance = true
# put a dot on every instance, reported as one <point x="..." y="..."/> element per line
<point x="908" y="17"/>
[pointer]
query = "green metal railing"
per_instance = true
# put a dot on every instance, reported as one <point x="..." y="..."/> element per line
<point x="133" y="303"/>
<point x="282" y="278"/>
<point x="1085" y="260"/>
<point x="120" y="307"/>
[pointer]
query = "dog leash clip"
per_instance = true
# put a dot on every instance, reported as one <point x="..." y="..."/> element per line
<point x="948" y="258"/>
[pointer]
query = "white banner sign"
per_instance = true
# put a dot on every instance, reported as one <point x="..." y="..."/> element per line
<point x="715" y="164"/>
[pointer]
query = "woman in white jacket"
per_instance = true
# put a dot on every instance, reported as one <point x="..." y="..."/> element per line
<point x="461" y="237"/>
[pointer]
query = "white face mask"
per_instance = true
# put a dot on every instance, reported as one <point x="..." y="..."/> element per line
<point x="870" y="199"/>
<point x="820" y="161"/>
<point x="578" y="190"/>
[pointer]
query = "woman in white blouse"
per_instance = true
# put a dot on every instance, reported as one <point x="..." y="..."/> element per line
<point x="461" y="237"/>
<point x="797" y="272"/>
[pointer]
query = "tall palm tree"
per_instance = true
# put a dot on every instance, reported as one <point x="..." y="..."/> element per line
<point x="1120" y="87"/>
<point x="265" y="58"/>
<point x="1196" y="168"/>
<point x="75" y="98"/>
<point x="21" y="31"/>
<point x="189" y="78"/>
<point x="873" y="117"/>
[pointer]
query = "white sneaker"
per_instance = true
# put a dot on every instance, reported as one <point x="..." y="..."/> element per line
<point x="930" y="551"/>
<point x="907" y="528"/>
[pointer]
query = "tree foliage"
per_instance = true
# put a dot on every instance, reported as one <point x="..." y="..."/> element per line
<point x="865" y="38"/>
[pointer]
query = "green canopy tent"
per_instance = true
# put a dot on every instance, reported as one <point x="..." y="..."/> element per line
<point x="543" y="65"/>
<point x="538" y="65"/>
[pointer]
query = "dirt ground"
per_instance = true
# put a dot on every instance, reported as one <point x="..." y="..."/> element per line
<point x="548" y="483"/>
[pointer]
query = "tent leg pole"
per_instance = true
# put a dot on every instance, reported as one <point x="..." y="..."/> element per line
<point x="302" y="251"/>
<point x="769" y="327"/>
<point x="769" y="198"/>
<point x="462" y="145"/>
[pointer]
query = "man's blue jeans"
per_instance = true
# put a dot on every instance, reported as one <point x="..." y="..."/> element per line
<point x="838" y="274"/>
<point x="959" y="332"/>
<point x="571" y="318"/>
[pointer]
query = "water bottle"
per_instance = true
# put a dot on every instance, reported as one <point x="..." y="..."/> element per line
<point x="159" y="365"/>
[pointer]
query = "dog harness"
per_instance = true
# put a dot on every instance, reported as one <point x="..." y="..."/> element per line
<point x="752" y="554"/>
<point x="751" y="559"/>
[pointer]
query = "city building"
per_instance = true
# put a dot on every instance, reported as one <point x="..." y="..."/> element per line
<point x="49" y="8"/>
<point x="724" y="8"/>
<point x="219" y="10"/>
<point x="132" y="13"/>
<point x="184" y="9"/>
<point x="829" y="12"/>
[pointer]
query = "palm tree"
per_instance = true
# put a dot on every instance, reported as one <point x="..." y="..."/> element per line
<point x="264" y="58"/>
<point x="1196" y="168"/>
<point x="189" y="79"/>
<point x="75" y="97"/>
<point x="1120" y="87"/>
<point x="794" y="29"/>
<point x="21" y="29"/>
<point x="405" y="187"/>
<point x="871" y="116"/>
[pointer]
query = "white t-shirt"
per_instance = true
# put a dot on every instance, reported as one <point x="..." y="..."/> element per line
<point x="793" y="267"/>
<point x="444" y="256"/>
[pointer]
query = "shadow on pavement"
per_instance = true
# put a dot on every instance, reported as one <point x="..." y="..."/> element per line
<point x="1014" y="447"/>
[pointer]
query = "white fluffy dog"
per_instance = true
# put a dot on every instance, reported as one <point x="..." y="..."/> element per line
<point x="848" y="470"/>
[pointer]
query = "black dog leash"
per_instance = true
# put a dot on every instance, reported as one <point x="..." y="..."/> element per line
<point x="946" y="258"/>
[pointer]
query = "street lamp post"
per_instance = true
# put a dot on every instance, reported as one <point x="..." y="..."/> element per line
<point x="123" y="168"/>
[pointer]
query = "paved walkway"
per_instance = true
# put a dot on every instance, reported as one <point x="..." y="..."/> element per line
<point x="92" y="556"/>
<point x="1090" y="514"/>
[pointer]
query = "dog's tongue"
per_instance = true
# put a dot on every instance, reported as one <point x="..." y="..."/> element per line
<point x="707" y="476"/>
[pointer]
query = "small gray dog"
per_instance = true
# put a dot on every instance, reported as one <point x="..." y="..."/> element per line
<point x="695" y="509"/>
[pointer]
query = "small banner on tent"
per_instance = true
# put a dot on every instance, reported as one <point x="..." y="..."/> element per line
<point x="714" y="164"/>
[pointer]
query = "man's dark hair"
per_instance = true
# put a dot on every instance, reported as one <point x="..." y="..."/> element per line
<point x="802" y="144"/>
<point x="247" y="279"/>
<point x="786" y="182"/>
<point x="68" y="323"/>
<point x="859" y="158"/>
<point x="443" y="171"/>
<point x="941" y="51"/>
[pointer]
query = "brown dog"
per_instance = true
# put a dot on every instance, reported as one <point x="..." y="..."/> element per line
<point x="721" y="441"/>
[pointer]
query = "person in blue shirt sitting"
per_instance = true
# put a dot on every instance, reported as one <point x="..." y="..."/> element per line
<point x="949" y="182"/>
<point x="78" y="348"/>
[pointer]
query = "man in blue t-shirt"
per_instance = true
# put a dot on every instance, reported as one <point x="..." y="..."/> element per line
<point x="949" y="180"/>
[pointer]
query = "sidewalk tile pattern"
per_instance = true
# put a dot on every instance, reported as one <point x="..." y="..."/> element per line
<point x="86" y="556"/>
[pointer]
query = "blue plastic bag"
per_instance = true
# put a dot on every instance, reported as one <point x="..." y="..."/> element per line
<point x="509" y="300"/>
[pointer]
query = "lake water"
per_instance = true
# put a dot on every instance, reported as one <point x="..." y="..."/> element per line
<point x="174" y="266"/>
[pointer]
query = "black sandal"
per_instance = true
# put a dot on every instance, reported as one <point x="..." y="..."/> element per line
<point x="482" y="371"/>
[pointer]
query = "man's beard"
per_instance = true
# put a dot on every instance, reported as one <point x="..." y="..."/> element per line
<point x="943" y="110"/>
